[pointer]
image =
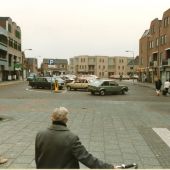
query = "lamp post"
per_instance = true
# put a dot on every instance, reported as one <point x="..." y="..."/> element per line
<point x="133" y="62"/>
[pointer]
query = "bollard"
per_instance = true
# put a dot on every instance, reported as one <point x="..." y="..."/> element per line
<point x="56" y="87"/>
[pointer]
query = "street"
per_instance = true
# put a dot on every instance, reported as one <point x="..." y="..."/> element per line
<point x="115" y="128"/>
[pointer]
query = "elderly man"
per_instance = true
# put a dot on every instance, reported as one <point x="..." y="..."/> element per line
<point x="58" y="148"/>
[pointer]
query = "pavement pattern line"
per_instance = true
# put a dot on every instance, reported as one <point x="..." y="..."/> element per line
<point x="164" y="134"/>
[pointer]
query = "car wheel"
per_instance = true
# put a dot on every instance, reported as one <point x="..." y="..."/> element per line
<point x="92" y="93"/>
<point x="69" y="88"/>
<point x="102" y="92"/>
<point x="123" y="91"/>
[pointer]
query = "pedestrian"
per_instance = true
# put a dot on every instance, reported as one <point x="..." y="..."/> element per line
<point x="121" y="76"/>
<point x="166" y="86"/>
<point x="3" y="160"/>
<point x="58" y="148"/>
<point x="158" y="85"/>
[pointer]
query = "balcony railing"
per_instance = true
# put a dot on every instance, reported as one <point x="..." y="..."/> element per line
<point x="164" y="62"/>
<point x="151" y="63"/>
<point x="155" y="63"/>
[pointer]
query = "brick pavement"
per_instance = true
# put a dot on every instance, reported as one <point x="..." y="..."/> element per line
<point x="122" y="133"/>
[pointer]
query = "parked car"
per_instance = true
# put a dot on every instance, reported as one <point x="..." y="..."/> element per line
<point x="60" y="81"/>
<point x="78" y="84"/>
<point x="31" y="76"/>
<point x="67" y="78"/>
<point x="124" y="77"/>
<point x="42" y="82"/>
<point x="106" y="87"/>
<point x="135" y="76"/>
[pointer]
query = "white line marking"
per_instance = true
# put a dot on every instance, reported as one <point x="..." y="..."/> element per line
<point x="44" y="91"/>
<point x="164" y="134"/>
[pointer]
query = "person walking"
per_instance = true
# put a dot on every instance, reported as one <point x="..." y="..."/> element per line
<point x="166" y="86"/>
<point x="58" y="148"/>
<point x="158" y="85"/>
<point x="3" y="160"/>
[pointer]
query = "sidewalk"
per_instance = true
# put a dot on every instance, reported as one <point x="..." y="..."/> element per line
<point x="150" y="85"/>
<point x="144" y="84"/>
<point x="6" y="83"/>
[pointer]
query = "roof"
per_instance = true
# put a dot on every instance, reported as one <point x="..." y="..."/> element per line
<point x="146" y="33"/>
<point x="134" y="61"/>
<point x="4" y="18"/>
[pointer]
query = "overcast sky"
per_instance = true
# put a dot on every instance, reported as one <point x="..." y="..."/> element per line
<point x="67" y="28"/>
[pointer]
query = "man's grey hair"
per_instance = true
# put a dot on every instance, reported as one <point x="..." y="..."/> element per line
<point x="59" y="114"/>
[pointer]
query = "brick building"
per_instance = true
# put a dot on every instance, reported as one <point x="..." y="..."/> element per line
<point x="154" y="49"/>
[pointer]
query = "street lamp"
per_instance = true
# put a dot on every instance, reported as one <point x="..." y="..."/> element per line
<point x="28" y="49"/>
<point x="133" y="61"/>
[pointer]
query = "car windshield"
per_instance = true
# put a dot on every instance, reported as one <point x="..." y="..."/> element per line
<point x="58" y="78"/>
<point x="49" y="79"/>
<point x="96" y="83"/>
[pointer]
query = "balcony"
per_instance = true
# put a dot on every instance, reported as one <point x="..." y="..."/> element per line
<point x="151" y="63"/>
<point x="155" y="63"/>
<point x="3" y="47"/>
<point x="166" y="62"/>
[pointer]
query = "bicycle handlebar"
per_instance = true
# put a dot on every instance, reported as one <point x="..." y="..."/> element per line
<point x="123" y="166"/>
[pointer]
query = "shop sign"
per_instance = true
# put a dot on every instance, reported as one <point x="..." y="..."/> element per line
<point x="17" y="66"/>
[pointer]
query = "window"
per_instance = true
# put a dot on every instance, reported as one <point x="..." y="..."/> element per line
<point x="106" y="83"/>
<point x="17" y="34"/>
<point x="162" y="40"/>
<point x="10" y="42"/>
<point x="152" y="29"/>
<point x="151" y="44"/>
<point x="113" y="84"/>
<point x="9" y="60"/>
<point x="165" y="39"/>
<point x="157" y="42"/>
<point x="9" y="28"/>
<point x="166" y="21"/>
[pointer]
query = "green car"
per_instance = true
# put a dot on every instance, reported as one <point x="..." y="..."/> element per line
<point x="107" y="87"/>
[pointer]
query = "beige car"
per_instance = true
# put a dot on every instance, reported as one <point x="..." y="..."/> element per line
<point x="78" y="84"/>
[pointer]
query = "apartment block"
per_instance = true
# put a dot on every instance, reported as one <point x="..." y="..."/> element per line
<point x="31" y="65"/>
<point x="10" y="50"/>
<point x="101" y="66"/>
<point x="154" y="49"/>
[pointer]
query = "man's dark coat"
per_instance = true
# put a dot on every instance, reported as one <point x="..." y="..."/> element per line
<point x="58" y="148"/>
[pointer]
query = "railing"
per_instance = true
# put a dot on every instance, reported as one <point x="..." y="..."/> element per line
<point x="166" y="62"/>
